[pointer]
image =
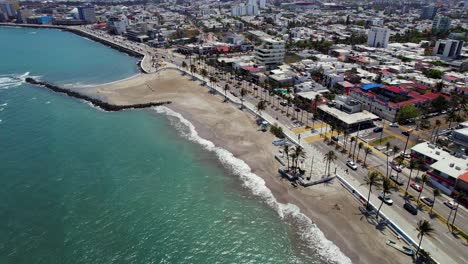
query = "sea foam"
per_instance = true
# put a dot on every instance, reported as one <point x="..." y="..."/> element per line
<point x="310" y="233"/>
<point x="13" y="80"/>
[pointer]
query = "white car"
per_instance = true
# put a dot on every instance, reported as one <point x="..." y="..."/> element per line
<point x="351" y="164"/>
<point x="386" y="198"/>
<point x="394" y="125"/>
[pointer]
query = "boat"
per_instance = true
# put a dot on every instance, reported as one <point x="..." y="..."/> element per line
<point x="408" y="251"/>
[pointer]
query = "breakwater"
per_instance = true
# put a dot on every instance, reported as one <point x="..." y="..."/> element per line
<point x="96" y="102"/>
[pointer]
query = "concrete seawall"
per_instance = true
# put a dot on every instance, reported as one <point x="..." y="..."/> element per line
<point x="85" y="34"/>
<point x="96" y="102"/>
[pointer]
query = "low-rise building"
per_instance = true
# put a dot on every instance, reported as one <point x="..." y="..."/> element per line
<point x="347" y="113"/>
<point x="445" y="169"/>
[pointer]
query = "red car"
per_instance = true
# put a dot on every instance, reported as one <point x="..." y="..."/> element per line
<point x="415" y="186"/>
<point x="396" y="167"/>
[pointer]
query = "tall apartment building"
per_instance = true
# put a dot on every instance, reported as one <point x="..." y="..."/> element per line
<point x="262" y="4"/>
<point x="378" y="37"/>
<point x="448" y="48"/>
<point x="117" y="24"/>
<point x="270" y="53"/>
<point x="428" y="12"/>
<point x="86" y="13"/>
<point x="8" y="8"/>
<point x="441" y="24"/>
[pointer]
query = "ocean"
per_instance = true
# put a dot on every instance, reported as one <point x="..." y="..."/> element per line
<point x="81" y="185"/>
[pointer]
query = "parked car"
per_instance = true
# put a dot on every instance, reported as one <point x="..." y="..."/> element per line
<point x="416" y="186"/>
<point x="334" y="138"/>
<point x="411" y="208"/>
<point x="427" y="200"/>
<point x="405" y="155"/>
<point x="378" y="129"/>
<point x="393" y="125"/>
<point x="396" y="167"/>
<point x="351" y="164"/>
<point x="450" y="204"/>
<point x="397" y="180"/>
<point x="406" y="133"/>
<point x="386" y="198"/>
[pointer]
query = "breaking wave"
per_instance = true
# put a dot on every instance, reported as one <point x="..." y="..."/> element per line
<point x="310" y="233"/>
<point x="12" y="80"/>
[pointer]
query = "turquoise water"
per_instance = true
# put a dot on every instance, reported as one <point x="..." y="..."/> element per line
<point x="80" y="185"/>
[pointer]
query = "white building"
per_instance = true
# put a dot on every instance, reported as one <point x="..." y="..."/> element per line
<point x="270" y="53"/>
<point x="378" y="37"/>
<point x="448" y="48"/>
<point x="252" y="10"/>
<point x="117" y="24"/>
<point x="262" y="4"/>
<point x="86" y="13"/>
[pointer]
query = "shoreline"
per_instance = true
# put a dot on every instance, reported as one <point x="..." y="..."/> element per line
<point x="84" y="34"/>
<point x="333" y="211"/>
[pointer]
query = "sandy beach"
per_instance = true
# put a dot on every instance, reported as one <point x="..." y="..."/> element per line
<point x="332" y="208"/>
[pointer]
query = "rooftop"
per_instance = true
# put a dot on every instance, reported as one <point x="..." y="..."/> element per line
<point x="348" y="119"/>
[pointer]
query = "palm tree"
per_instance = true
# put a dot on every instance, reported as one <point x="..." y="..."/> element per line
<point x="345" y="135"/>
<point x="451" y="116"/>
<point x="360" y="145"/>
<point x="243" y="92"/>
<point x="226" y="88"/>
<point x="424" y="228"/>
<point x="388" y="153"/>
<point x="373" y="178"/>
<point x="387" y="186"/>
<point x="367" y="151"/>
<point x="261" y="106"/>
<point x="412" y="165"/>
<point x="435" y="193"/>
<point x="437" y="125"/>
<point x="329" y="158"/>
<point x="424" y="179"/>
<point x="299" y="152"/>
<point x="460" y="197"/>
<point x="351" y="145"/>
<point x="286" y="151"/>
<point x="395" y="150"/>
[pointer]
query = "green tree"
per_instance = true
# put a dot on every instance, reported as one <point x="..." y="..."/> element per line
<point x="424" y="228"/>
<point x="424" y="180"/>
<point x="433" y="73"/>
<point x="329" y="158"/>
<point x="459" y="199"/>
<point x="243" y="92"/>
<point x="435" y="193"/>
<point x="226" y="88"/>
<point x="367" y="151"/>
<point x="439" y="103"/>
<point x="286" y="152"/>
<point x="261" y="105"/>
<point x="373" y="178"/>
<point x="412" y="165"/>
<point x="407" y="112"/>
<point x="387" y="186"/>
<point x="184" y="64"/>
<point x="360" y="146"/>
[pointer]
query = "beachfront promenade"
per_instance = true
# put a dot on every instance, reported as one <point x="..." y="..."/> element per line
<point x="390" y="212"/>
<point x="147" y="65"/>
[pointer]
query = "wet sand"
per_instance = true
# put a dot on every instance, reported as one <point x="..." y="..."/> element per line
<point x="330" y="207"/>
